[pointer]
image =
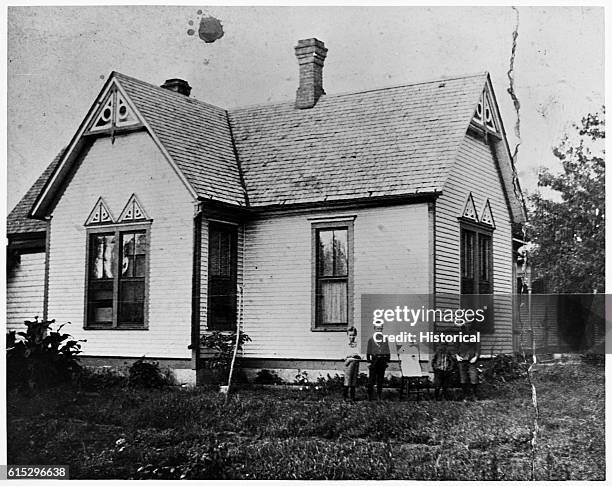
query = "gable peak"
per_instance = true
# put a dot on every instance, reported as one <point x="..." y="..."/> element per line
<point x="115" y="111"/>
<point x="485" y="114"/>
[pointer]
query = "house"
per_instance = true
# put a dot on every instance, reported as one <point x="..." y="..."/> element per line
<point x="161" y="206"/>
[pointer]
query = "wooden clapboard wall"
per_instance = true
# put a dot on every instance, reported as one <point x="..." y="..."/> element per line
<point x="25" y="287"/>
<point x="476" y="171"/>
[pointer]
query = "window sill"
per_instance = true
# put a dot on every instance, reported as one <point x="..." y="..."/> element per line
<point x="122" y="328"/>
<point x="222" y="331"/>
<point x="342" y="328"/>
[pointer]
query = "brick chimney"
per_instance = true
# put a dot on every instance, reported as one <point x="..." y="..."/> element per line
<point x="311" y="55"/>
<point x="178" y="86"/>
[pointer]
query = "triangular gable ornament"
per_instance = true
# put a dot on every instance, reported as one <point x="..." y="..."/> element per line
<point x="486" y="216"/>
<point x="124" y="115"/>
<point x="104" y="119"/>
<point x="115" y="112"/>
<point x="484" y="114"/>
<point x="133" y="212"/>
<point x="100" y="214"/>
<point x="469" y="210"/>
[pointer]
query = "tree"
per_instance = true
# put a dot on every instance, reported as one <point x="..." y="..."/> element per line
<point x="569" y="226"/>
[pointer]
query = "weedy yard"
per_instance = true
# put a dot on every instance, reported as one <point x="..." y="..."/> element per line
<point x="120" y="432"/>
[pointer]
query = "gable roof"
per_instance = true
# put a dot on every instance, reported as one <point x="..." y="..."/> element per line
<point x="196" y="135"/>
<point x="397" y="141"/>
<point x="386" y="142"/>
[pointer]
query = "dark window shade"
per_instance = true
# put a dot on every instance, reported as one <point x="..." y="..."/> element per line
<point x="220" y="252"/>
<point x="484" y="264"/>
<point x="467" y="262"/>
<point x="222" y="276"/>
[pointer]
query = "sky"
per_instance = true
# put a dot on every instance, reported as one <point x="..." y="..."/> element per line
<point x="60" y="57"/>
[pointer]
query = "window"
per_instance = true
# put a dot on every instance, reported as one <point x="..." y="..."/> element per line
<point x="222" y="276"/>
<point x="477" y="270"/>
<point x="332" y="276"/>
<point x="117" y="277"/>
<point x="476" y="261"/>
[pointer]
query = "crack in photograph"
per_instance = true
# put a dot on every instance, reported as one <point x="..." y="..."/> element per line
<point x="305" y="243"/>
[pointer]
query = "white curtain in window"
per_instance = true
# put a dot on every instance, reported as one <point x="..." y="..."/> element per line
<point x="334" y="302"/>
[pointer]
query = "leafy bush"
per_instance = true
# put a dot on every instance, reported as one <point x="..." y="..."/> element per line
<point x="301" y="378"/>
<point x="503" y="368"/>
<point x="267" y="377"/>
<point x="147" y="374"/>
<point x="595" y="359"/>
<point x="329" y="384"/>
<point x="222" y="344"/>
<point x="41" y="356"/>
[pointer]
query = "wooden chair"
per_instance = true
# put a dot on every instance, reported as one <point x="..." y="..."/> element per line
<point x="412" y="376"/>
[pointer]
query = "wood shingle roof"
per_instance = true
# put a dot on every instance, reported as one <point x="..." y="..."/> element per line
<point x="396" y="141"/>
<point x="195" y="134"/>
<point x="386" y="142"/>
<point x="17" y="222"/>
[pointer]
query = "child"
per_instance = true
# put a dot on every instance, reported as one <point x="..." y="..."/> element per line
<point x="351" y="364"/>
<point x="467" y="358"/>
<point x="379" y="355"/>
<point x="442" y="365"/>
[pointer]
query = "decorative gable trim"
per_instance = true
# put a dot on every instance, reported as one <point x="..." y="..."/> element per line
<point x="486" y="215"/>
<point x="133" y="212"/>
<point x="104" y="120"/>
<point x="100" y="214"/>
<point x="124" y="115"/>
<point x="485" y="114"/>
<point x="115" y="112"/>
<point x="53" y="185"/>
<point x="469" y="209"/>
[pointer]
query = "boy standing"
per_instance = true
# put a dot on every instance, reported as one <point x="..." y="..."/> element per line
<point x="351" y="364"/>
<point x="378" y="355"/>
<point x="442" y="367"/>
<point x="468" y="369"/>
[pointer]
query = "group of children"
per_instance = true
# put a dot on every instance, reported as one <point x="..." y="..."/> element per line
<point x="443" y="365"/>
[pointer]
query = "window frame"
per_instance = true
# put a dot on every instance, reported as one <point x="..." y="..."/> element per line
<point x="478" y="229"/>
<point x="474" y="299"/>
<point x="330" y="225"/>
<point x="117" y="230"/>
<point x="235" y="233"/>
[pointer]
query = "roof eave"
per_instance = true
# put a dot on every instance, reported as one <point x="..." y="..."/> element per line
<point x="411" y="198"/>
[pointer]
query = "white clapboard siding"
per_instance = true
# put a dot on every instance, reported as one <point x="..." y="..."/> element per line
<point x="25" y="290"/>
<point x="475" y="171"/>
<point x="391" y="255"/>
<point x="204" y="276"/>
<point x="132" y="164"/>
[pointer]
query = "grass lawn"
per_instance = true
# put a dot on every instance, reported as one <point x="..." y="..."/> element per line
<point x="279" y="434"/>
